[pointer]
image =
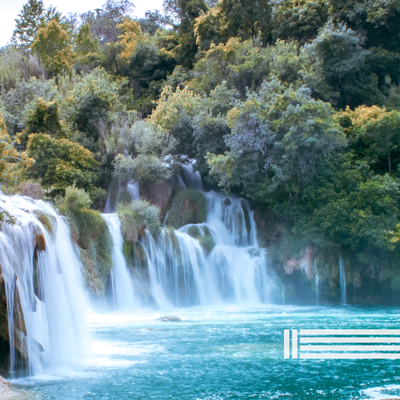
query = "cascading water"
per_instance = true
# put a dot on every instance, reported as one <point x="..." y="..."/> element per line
<point x="236" y="270"/>
<point x="316" y="279"/>
<point x="133" y="188"/>
<point x="121" y="281"/>
<point x="43" y="283"/>
<point x="342" y="278"/>
<point x="192" y="179"/>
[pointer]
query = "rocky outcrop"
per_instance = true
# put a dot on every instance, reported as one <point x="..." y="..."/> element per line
<point x="21" y="355"/>
<point x="189" y="206"/>
<point x="156" y="193"/>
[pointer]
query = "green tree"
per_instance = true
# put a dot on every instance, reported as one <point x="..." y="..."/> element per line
<point x="86" y="48"/>
<point x="374" y="137"/>
<point x="61" y="163"/>
<point x="298" y="19"/>
<point x="186" y="12"/>
<point x="31" y="18"/>
<point x="28" y="22"/>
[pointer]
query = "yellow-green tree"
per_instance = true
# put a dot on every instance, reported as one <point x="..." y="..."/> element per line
<point x="53" y="45"/>
<point x="131" y="35"/>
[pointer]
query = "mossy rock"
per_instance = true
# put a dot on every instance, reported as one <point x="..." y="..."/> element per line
<point x="189" y="206"/>
<point x="194" y="231"/>
<point x="207" y="243"/>
<point x="46" y="219"/>
<point x="90" y="232"/>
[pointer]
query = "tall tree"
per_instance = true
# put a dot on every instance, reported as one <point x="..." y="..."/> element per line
<point x="185" y="12"/>
<point x="31" y="18"/>
<point x="53" y="45"/>
<point x="28" y="22"/>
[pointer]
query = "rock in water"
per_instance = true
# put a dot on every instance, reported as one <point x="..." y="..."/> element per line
<point x="169" y="318"/>
<point x="5" y="388"/>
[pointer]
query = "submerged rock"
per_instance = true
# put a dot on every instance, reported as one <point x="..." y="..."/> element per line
<point x="169" y="318"/>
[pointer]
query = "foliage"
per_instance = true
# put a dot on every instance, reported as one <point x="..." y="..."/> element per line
<point x="22" y="99"/>
<point x="17" y="66"/>
<point x="138" y="216"/>
<point x="234" y="18"/>
<point x="298" y="19"/>
<point x="189" y="206"/>
<point x="90" y="232"/>
<point x="131" y="35"/>
<point x="9" y="157"/>
<point x="280" y="145"/>
<point x="60" y="163"/>
<point x="53" y="45"/>
<point x="86" y="48"/>
<point x="148" y="69"/>
<point x="149" y="144"/>
<point x="33" y="14"/>
<point x="373" y="137"/>
<point x="44" y="118"/>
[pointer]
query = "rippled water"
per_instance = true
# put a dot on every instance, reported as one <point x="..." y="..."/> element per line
<point x="223" y="353"/>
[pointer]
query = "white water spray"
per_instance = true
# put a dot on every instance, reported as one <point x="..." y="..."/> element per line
<point x="39" y="263"/>
<point x="122" y="285"/>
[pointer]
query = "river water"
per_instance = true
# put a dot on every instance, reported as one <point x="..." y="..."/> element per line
<point x="230" y="352"/>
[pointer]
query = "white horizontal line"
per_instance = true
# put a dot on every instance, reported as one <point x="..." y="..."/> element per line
<point x="350" y="348"/>
<point x="349" y="331"/>
<point x="348" y="356"/>
<point x="349" y="340"/>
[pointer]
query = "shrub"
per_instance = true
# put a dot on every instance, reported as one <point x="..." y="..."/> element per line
<point x="138" y="216"/>
<point x="189" y="206"/>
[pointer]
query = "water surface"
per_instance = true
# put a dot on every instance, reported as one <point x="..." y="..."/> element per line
<point x="220" y="353"/>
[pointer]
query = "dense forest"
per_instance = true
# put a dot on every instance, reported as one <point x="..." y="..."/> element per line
<point x="291" y="104"/>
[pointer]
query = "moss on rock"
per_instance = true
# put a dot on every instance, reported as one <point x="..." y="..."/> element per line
<point x="207" y="243"/>
<point x="189" y="206"/>
<point x="194" y="231"/>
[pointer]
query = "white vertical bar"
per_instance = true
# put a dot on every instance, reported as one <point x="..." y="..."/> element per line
<point x="286" y="343"/>
<point x="294" y="343"/>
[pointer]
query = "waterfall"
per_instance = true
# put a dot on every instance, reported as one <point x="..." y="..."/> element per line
<point x="121" y="281"/>
<point x="192" y="179"/>
<point x="316" y="283"/>
<point x="181" y="273"/>
<point x="133" y="189"/>
<point x="342" y="280"/>
<point x="46" y="301"/>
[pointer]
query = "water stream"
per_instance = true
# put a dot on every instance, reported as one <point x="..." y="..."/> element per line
<point x="342" y="278"/>
<point x="121" y="280"/>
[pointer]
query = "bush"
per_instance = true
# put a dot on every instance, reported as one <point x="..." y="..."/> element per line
<point x="136" y="217"/>
<point x="189" y="206"/>
<point x="60" y="163"/>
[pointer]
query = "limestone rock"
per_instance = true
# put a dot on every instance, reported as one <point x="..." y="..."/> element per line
<point x="5" y="388"/>
<point x="156" y="193"/>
